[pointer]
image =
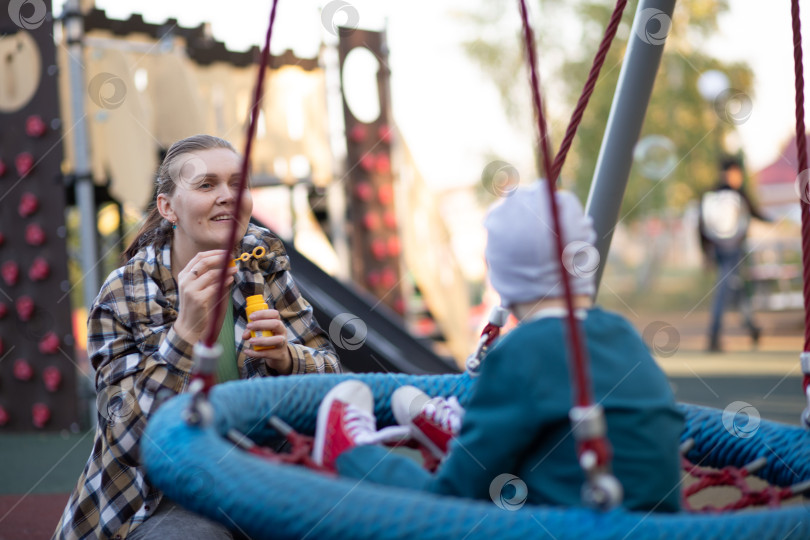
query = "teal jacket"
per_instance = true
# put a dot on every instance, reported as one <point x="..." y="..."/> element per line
<point x="516" y="422"/>
<point x="517" y="417"/>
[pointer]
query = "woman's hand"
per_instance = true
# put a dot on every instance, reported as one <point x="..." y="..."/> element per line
<point x="197" y="284"/>
<point x="277" y="358"/>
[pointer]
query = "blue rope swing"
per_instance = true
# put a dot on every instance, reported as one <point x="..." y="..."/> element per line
<point x="200" y="469"/>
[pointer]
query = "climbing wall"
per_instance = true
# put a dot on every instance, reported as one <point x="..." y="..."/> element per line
<point x="375" y="245"/>
<point x="37" y="365"/>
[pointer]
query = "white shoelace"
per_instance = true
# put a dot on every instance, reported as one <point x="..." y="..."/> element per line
<point x="447" y="413"/>
<point x="362" y="427"/>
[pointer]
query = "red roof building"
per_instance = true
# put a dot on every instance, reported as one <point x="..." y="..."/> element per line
<point x="775" y="185"/>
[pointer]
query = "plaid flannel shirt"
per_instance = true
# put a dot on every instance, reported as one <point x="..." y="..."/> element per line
<point x="138" y="355"/>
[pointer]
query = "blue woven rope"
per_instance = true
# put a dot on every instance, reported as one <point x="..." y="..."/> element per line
<point x="787" y="448"/>
<point x="201" y="470"/>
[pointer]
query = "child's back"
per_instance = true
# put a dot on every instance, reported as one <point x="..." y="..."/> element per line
<point x="520" y="408"/>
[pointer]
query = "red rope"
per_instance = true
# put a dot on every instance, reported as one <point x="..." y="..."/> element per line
<point x="801" y="147"/>
<point x="801" y="143"/>
<point x="590" y="85"/>
<point x="492" y="332"/>
<point x="579" y="361"/>
<point x="731" y="477"/>
<point x="212" y="334"/>
<point x="300" y="451"/>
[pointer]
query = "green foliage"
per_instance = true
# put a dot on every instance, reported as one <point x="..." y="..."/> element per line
<point x="676" y="110"/>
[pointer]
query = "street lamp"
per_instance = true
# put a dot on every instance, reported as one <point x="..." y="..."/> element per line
<point x="712" y="85"/>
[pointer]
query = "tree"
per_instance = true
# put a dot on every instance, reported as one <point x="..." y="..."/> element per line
<point x="677" y="111"/>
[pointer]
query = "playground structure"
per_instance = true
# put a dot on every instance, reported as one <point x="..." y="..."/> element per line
<point x="169" y="432"/>
<point x="99" y="128"/>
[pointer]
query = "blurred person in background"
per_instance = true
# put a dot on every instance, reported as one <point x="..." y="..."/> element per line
<point x="725" y="214"/>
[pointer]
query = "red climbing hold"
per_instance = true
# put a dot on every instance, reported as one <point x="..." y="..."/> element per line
<point x="34" y="235"/>
<point x="358" y="133"/>
<point x="29" y="204"/>
<point x="49" y="344"/>
<point x="24" y="163"/>
<point x="40" y="414"/>
<point x="35" y="126"/>
<point x="40" y="270"/>
<point x="52" y="378"/>
<point x="22" y="370"/>
<point x="25" y="308"/>
<point x="10" y="272"/>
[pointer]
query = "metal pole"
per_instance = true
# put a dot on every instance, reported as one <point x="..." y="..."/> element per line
<point x="646" y="44"/>
<point x="85" y="191"/>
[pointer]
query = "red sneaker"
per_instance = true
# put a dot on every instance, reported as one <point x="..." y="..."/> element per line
<point x="432" y="421"/>
<point x="345" y="420"/>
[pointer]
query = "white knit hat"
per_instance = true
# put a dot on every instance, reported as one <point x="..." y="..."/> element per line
<point x="521" y="253"/>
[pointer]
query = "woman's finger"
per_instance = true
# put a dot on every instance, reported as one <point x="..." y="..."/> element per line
<point x="203" y="261"/>
<point x="203" y="281"/>
<point x="202" y="255"/>
<point x="273" y="342"/>
<point x="211" y="262"/>
<point x="275" y="326"/>
<point x="211" y="278"/>
<point x="210" y="266"/>
<point x="265" y="314"/>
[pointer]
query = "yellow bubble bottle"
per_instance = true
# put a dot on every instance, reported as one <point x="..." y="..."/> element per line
<point x="257" y="303"/>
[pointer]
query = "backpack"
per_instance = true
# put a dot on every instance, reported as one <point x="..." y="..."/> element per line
<point x="725" y="217"/>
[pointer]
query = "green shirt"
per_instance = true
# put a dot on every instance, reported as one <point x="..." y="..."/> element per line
<point x="227" y="370"/>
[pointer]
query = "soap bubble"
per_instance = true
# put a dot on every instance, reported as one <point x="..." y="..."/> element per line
<point x="655" y="156"/>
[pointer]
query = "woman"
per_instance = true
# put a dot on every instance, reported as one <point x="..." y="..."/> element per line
<point x="151" y="311"/>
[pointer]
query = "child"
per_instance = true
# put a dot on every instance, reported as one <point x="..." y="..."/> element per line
<point x="516" y="420"/>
